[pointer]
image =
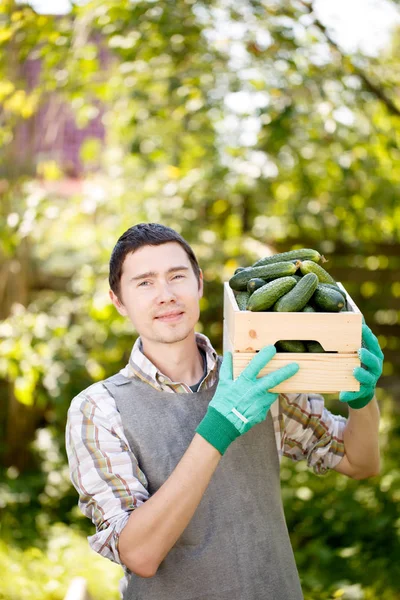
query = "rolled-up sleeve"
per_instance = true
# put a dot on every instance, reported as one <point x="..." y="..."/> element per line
<point x="310" y="432"/>
<point x="103" y="469"/>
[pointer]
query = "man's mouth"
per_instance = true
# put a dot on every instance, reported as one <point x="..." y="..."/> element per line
<point x="171" y="316"/>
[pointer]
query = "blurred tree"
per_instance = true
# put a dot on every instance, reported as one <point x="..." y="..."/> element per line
<point x="159" y="130"/>
<point x="236" y="125"/>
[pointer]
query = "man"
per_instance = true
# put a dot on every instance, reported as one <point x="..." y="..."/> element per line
<point x="177" y="464"/>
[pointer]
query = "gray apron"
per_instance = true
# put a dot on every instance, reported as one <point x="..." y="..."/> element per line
<point x="236" y="547"/>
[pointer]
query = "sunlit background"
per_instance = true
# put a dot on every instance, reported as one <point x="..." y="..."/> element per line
<point x="250" y="128"/>
<point x="358" y="25"/>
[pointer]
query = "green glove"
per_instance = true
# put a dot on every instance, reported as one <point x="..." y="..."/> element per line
<point x="371" y="357"/>
<point x="240" y="404"/>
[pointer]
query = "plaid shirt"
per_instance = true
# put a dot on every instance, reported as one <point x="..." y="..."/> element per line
<point x="105" y="471"/>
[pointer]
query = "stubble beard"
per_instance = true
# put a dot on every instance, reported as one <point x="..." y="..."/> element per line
<point x="176" y="338"/>
<point x="170" y="337"/>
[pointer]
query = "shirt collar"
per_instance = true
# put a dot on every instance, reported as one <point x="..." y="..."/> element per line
<point x="140" y="366"/>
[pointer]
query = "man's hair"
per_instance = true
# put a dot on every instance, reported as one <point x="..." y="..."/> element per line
<point x="144" y="234"/>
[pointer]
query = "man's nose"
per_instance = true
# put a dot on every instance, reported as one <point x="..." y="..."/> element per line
<point x="165" y="292"/>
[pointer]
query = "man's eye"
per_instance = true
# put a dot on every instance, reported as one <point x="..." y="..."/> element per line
<point x="143" y="282"/>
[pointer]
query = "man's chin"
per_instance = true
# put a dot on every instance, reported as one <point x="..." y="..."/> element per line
<point x="171" y="337"/>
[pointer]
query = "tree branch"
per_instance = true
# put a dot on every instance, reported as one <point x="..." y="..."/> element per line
<point x="368" y="84"/>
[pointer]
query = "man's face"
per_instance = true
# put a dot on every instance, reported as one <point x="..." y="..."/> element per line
<point x="160" y="293"/>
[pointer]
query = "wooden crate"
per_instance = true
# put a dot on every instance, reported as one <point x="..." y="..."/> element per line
<point x="245" y="332"/>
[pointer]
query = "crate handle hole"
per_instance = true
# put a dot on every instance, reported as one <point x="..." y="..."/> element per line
<point x="312" y="346"/>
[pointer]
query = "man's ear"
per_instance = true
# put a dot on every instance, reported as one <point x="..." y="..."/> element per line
<point x="117" y="303"/>
<point x="201" y="283"/>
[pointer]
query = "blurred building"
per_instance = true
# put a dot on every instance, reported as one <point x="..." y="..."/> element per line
<point x="52" y="133"/>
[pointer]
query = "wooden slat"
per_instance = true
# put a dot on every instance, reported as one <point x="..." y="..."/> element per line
<point x="250" y="331"/>
<point x="227" y="345"/>
<point x="316" y="373"/>
<point x="230" y="308"/>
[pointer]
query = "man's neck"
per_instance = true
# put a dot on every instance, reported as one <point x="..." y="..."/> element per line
<point x="179" y="362"/>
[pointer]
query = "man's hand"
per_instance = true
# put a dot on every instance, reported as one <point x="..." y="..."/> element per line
<point x="371" y="357"/>
<point x="240" y="404"/>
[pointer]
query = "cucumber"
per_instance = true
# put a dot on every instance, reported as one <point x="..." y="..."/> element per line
<point x="290" y="346"/>
<point x="254" y="284"/>
<point x="239" y="269"/>
<point x="242" y="299"/>
<point x="313" y="346"/>
<point x="308" y="308"/>
<point x="334" y="286"/>
<point x="308" y="266"/>
<point x="298" y="297"/>
<point x="338" y="289"/>
<point x="327" y="299"/>
<point x="268" y="294"/>
<point x="239" y="281"/>
<point x="301" y="254"/>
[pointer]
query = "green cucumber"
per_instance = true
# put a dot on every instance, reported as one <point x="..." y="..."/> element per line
<point x="268" y="294"/>
<point x="338" y="289"/>
<point x="301" y="254"/>
<point x="290" y="346"/>
<point x="239" y="281"/>
<point x="308" y="266"/>
<point x="297" y="298"/>
<point x="254" y="284"/>
<point x="308" y="308"/>
<point x="327" y="299"/>
<point x="239" y="269"/>
<point x="334" y="287"/>
<point x="242" y="299"/>
<point x="313" y="346"/>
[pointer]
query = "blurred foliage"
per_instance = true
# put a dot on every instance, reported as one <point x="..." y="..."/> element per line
<point x="240" y="126"/>
<point x="345" y="533"/>
<point x="349" y="527"/>
<point x="45" y="574"/>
